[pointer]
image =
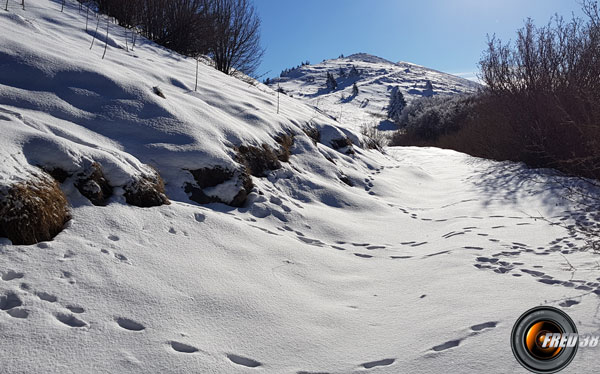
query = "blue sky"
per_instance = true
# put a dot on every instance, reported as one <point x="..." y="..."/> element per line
<point x="447" y="35"/>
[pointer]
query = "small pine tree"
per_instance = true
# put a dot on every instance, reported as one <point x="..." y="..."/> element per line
<point x="396" y="105"/>
<point x="354" y="90"/>
<point x="353" y="72"/>
<point x="331" y="82"/>
<point x="428" y="86"/>
<point x="342" y="72"/>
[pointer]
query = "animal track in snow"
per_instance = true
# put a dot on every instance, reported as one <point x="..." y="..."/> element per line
<point x="11" y="274"/>
<point x="568" y="303"/>
<point x="10" y="300"/>
<point x="447" y="345"/>
<point x="70" y="320"/>
<point x="114" y="238"/>
<point x="183" y="348"/>
<point x="199" y="217"/>
<point x="18" y="313"/>
<point x="75" y="309"/>
<point x="46" y="296"/>
<point x="384" y="362"/>
<point x="483" y="326"/>
<point x="244" y="361"/>
<point x="129" y="324"/>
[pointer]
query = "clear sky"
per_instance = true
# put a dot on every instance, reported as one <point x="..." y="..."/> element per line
<point x="447" y="35"/>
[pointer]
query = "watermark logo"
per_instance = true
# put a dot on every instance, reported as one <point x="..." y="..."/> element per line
<point x="545" y="340"/>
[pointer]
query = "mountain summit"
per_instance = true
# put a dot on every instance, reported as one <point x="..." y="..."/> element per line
<point x="375" y="80"/>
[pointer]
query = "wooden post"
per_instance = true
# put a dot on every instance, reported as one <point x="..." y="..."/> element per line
<point x="95" y="32"/>
<point x="106" y="41"/>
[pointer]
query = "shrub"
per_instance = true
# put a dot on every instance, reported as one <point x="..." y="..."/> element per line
<point x="545" y="90"/>
<point x="286" y="142"/>
<point x="424" y="120"/>
<point x="211" y="177"/>
<point x="312" y="132"/>
<point x="93" y="184"/>
<point x="32" y="211"/>
<point x="258" y="160"/>
<point x="146" y="191"/>
<point x="374" y="139"/>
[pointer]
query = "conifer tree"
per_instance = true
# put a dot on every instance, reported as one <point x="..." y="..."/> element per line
<point x="354" y="90"/>
<point x="331" y="82"/>
<point x="396" y="105"/>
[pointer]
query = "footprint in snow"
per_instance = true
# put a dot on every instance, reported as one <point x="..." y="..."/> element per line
<point x="75" y="309"/>
<point x="199" y="217"/>
<point x="362" y="255"/>
<point x="46" y="296"/>
<point x="447" y="345"/>
<point x="129" y="324"/>
<point x="243" y="361"/>
<point x="10" y="300"/>
<point x="183" y="348"/>
<point x="18" y="313"/>
<point x="384" y="362"/>
<point x="114" y="238"/>
<point x="568" y="303"/>
<point x="483" y="326"/>
<point x="70" y="320"/>
<point x="11" y="274"/>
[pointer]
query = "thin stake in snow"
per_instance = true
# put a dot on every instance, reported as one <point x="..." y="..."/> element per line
<point x="6" y="6"/>
<point x="197" y="63"/>
<point x="63" y="6"/>
<point x="106" y="41"/>
<point x="87" y="13"/>
<point x="278" y="92"/>
<point x="23" y="4"/>
<point x="95" y="32"/>
<point x="133" y="38"/>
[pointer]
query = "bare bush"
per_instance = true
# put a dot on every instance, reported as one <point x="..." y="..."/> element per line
<point x="373" y="138"/>
<point x="547" y="86"/>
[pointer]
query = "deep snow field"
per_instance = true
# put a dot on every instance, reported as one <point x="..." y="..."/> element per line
<point x="422" y="266"/>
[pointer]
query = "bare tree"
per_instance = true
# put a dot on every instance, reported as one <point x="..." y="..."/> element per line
<point x="236" y="30"/>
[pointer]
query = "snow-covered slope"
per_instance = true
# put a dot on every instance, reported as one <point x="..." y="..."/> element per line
<point x="421" y="267"/>
<point x="376" y="79"/>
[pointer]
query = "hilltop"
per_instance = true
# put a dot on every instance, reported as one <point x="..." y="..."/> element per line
<point x="375" y="78"/>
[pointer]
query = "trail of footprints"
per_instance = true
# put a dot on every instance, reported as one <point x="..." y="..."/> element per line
<point x="473" y="331"/>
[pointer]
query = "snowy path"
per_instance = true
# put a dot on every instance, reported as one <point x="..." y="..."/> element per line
<point x="427" y="279"/>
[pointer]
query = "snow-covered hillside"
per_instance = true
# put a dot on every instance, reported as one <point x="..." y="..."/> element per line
<point x="375" y="78"/>
<point x="340" y="260"/>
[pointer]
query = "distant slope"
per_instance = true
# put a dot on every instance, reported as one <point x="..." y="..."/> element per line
<point x="375" y="80"/>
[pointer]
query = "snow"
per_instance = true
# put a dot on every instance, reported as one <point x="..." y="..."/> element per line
<point x="422" y="267"/>
<point x="376" y="80"/>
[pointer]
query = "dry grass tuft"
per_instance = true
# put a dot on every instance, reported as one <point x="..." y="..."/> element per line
<point x="258" y="160"/>
<point x="33" y="211"/>
<point x="286" y="142"/>
<point x="146" y="191"/>
<point x="93" y="184"/>
<point x="211" y="177"/>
